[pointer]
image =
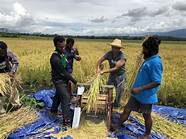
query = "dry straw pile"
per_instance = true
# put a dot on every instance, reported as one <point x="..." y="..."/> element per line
<point x="8" y="84"/>
<point x="17" y="119"/>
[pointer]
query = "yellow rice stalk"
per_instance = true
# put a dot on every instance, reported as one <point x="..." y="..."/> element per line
<point x="114" y="94"/>
<point x="8" y="84"/>
<point x="132" y="77"/>
<point x="90" y="128"/>
<point x="93" y="94"/>
<point x="5" y="83"/>
<point x="169" y="129"/>
<point x="17" y="119"/>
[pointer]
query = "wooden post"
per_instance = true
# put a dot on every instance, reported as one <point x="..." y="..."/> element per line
<point x="109" y="105"/>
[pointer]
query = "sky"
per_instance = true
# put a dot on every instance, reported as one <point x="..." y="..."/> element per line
<point x="92" y="17"/>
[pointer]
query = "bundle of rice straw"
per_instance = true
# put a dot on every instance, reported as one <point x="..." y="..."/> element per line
<point x="17" y="119"/>
<point x="132" y="77"/>
<point x="5" y="84"/>
<point x="8" y="84"/>
<point x="90" y="128"/>
<point x="93" y="94"/>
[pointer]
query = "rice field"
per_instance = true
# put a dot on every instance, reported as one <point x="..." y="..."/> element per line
<point x="34" y="71"/>
<point x="34" y="55"/>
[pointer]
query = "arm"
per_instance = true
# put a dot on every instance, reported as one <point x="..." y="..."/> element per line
<point x="68" y="76"/>
<point x="14" y="62"/>
<point x="118" y="65"/>
<point x="59" y="68"/>
<point x="77" y="57"/>
<point x="98" y="65"/>
<point x="145" y="87"/>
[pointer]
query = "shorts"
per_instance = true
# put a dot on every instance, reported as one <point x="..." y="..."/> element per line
<point x="134" y="105"/>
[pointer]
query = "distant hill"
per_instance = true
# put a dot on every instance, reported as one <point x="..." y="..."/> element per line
<point x="4" y="30"/>
<point x="180" y="33"/>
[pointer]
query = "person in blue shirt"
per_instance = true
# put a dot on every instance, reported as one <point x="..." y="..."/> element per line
<point x="71" y="53"/>
<point x="146" y="86"/>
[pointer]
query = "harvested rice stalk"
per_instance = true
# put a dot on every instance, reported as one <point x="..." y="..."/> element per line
<point x="17" y="119"/>
<point x="5" y="82"/>
<point x="9" y="88"/>
<point x="136" y="67"/>
<point x="8" y="84"/>
<point x="114" y="94"/>
<point x="93" y="94"/>
<point x="89" y="129"/>
<point x="169" y="129"/>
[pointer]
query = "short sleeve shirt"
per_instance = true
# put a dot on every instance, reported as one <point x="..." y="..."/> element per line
<point x="150" y="71"/>
<point x="70" y="55"/>
<point x="113" y="60"/>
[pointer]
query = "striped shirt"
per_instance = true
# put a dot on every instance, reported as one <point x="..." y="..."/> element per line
<point x="9" y="63"/>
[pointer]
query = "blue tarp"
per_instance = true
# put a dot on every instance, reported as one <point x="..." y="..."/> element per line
<point x="44" y="127"/>
<point x="130" y="130"/>
<point x="176" y="115"/>
<point x="46" y="124"/>
<point x="45" y="96"/>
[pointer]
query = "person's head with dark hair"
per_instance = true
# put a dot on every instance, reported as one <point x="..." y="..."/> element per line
<point x="3" y="49"/>
<point x="69" y="43"/>
<point x="59" y="43"/>
<point x="150" y="46"/>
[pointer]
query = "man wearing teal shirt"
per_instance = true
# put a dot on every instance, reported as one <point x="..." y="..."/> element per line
<point x="146" y="86"/>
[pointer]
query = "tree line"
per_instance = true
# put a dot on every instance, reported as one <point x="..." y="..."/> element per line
<point x="49" y="36"/>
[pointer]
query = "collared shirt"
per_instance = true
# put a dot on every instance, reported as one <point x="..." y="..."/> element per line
<point x="10" y="63"/>
<point x="150" y="71"/>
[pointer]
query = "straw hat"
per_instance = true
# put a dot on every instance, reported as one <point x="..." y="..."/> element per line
<point x="117" y="43"/>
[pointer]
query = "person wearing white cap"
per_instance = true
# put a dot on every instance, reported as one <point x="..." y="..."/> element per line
<point x="117" y="60"/>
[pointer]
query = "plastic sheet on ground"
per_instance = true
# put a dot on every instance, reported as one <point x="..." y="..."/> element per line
<point x="173" y="114"/>
<point x="176" y="115"/>
<point x="45" y="96"/>
<point x="48" y="125"/>
<point x="131" y="129"/>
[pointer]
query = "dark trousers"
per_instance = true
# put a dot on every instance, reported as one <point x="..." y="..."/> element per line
<point x="61" y="96"/>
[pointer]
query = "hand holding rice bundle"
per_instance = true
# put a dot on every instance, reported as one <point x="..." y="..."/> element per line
<point x="5" y="84"/>
<point x="93" y="94"/>
<point x="9" y="89"/>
